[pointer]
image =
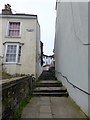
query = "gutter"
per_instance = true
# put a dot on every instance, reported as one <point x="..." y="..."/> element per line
<point x="19" y="16"/>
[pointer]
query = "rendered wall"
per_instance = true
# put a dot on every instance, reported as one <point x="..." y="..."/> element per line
<point x="28" y="52"/>
<point x="71" y="49"/>
<point x="0" y="38"/>
<point x="38" y="51"/>
<point x="0" y="50"/>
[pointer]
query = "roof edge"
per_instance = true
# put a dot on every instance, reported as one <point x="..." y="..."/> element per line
<point x="19" y="15"/>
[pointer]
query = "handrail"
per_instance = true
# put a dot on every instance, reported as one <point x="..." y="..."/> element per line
<point x="72" y="83"/>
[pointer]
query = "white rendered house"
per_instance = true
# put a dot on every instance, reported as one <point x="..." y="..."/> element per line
<point x="20" y="43"/>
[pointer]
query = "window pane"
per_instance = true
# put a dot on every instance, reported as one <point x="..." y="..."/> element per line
<point x="11" y="49"/>
<point x="7" y="58"/>
<point x="19" y="53"/>
<point x="20" y="50"/>
<point x="10" y="58"/>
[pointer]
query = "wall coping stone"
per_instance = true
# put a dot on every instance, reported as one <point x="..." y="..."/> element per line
<point x="12" y="81"/>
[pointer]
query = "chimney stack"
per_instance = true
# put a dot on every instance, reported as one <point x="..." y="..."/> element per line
<point x="7" y="10"/>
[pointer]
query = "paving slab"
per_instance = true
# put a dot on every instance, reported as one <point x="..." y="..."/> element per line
<point x="46" y="103"/>
<point x="44" y="115"/>
<point x="45" y="109"/>
<point x="32" y="109"/>
<point x="65" y="108"/>
<point x="44" y="98"/>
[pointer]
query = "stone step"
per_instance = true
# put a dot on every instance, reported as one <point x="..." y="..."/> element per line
<point x="48" y="84"/>
<point x="63" y="94"/>
<point x="49" y="91"/>
<point x="47" y="75"/>
<point x="50" y="88"/>
<point x="48" y="81"/>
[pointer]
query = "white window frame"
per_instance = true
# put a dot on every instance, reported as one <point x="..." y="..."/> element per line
<point x="17" y="50"/>
<point x="7" y="30"/>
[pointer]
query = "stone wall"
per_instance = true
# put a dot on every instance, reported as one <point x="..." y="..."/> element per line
<point x="13" y="92"/>
<point x="0" y="67"/>
<point x="0" y="60"/>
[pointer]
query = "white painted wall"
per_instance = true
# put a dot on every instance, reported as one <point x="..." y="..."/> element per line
<point x="39" y="68"/>
<point x="0" y="46"/>
<point x="0" y="38"/>
<point x="71" y="55"/>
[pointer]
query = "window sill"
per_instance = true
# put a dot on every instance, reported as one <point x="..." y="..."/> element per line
<point x="6" y="63"/>
<point x="9" y="62"/>
<point x="12" y="37"/>
<point x="18" y="64"/>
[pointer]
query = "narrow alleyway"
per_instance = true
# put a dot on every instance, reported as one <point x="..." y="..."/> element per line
<point x="51" y="100"/>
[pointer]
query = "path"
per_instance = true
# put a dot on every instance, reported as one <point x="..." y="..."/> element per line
<point x="51" y="100"/>
<point x="52" y="107"/>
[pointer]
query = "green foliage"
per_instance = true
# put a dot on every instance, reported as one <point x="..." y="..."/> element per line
<point x="4" y="73"/>
<point x="17" y="113"/>
<point x="25" y="101"/>
<point x="37" y="81"/>
<point x="33" y="87"/>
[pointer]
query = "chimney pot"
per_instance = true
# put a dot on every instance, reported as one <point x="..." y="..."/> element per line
<point x="7" y="10"/>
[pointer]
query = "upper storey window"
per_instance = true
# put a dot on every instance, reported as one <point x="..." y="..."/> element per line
<point x="14" y="29"/>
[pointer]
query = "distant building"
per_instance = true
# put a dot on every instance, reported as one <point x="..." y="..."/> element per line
<point x="21" y="46"/>
<point x="72" y="53"/>
<point x="48" y="61"/>
<point x="46" y="67"/>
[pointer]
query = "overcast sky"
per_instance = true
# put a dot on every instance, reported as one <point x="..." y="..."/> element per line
<point x="45" y="9"/>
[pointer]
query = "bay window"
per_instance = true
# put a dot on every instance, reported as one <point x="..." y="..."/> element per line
<point x="12" y="53"/>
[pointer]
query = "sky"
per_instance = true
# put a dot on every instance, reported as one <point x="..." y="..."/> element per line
<point x="45" y="9"/>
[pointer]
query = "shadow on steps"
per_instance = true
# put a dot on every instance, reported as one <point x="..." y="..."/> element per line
<point x="48" y="75"/>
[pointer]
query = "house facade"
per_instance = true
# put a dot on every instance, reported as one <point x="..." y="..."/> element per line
<point x="21" y="49"/>
<point x="72" y="45"/>
<point x="48" y="61"/>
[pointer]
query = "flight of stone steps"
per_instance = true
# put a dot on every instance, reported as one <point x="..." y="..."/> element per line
<point x="49" y="86"/>
<point x="48" y="75"/>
